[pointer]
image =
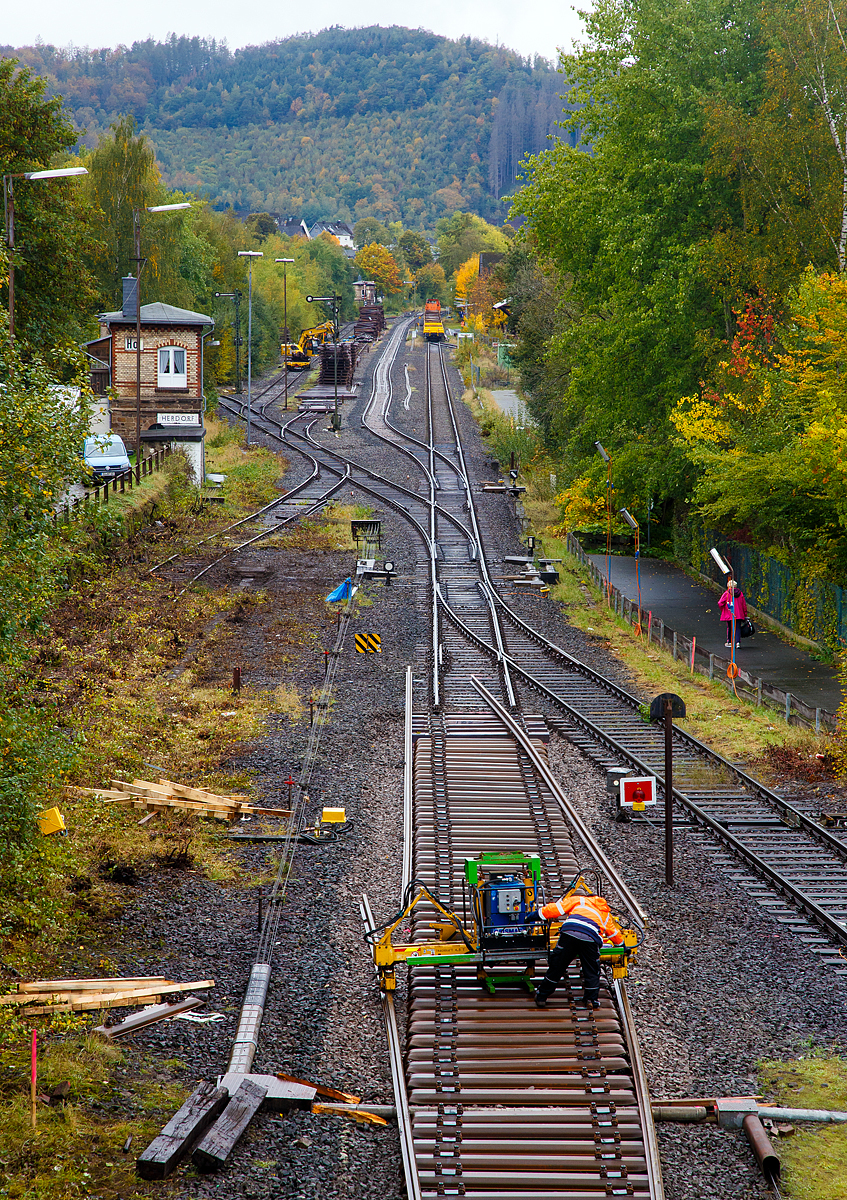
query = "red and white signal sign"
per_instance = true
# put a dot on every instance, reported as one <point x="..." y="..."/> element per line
<point x="637" y="791"/>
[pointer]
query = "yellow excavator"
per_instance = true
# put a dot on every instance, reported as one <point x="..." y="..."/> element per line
<point x="296" y="355"/>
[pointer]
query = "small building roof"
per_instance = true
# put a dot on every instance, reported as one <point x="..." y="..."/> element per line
<point x="159" y="314"/>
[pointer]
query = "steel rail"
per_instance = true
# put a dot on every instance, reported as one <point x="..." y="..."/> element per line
<point x="754" y="861"/>
<point x="836" y="928"/>
<point x="408" y="788"/>
<point x="792" y="815"/>
<point x="401" y="1098"/>
<point x="642" y="1092"/>
<point x="596" y="851"/>
<point x="316" y="506"/>
<point x="244" y="520"/>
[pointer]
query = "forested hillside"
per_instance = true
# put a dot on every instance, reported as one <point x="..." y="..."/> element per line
<point x="386" y="122"/>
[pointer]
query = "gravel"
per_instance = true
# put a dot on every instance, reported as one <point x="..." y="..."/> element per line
<point x="718" y="986"/>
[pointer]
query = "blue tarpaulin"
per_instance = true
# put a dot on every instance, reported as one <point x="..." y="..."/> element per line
<point x="343" y="591"/>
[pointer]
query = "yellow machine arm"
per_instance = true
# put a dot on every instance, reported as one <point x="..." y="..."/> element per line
<point x="386" y="953"/>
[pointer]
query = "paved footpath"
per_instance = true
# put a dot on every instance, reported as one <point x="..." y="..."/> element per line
<point x="691" y="608"/>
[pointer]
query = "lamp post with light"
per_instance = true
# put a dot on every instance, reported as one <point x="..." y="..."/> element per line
<point x="285" y="263"/>
<point x="9" y="210"/>
<point x="633" y="524"/>
<point x="139" y="267"/>
<point x="250" y="255"/>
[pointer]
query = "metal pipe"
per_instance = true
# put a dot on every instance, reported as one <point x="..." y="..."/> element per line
<point x="825" y="1115"/>
<point x="247" y="1036"/>
<point x="762" y="1147"/>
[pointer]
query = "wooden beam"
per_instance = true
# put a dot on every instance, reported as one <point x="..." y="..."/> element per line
<point x="182" y="1131"/>
<point x="90" y="985"/>
<point x="221" y="1139"/>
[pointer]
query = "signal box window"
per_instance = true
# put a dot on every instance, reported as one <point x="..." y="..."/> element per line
<point x="172" y="367"/>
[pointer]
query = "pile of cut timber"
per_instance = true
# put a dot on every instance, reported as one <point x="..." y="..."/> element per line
<point x="157" y="797"/>
<point x="83" y="995"/>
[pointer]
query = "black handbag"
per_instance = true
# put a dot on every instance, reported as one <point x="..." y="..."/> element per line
<point x="745" y="628"/>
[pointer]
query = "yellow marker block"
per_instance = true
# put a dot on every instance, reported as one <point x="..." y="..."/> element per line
<point x="51" y="821"/>
<point x="333" y="816"/>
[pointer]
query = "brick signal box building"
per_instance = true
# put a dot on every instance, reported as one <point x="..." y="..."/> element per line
<point x="172" y="402"/>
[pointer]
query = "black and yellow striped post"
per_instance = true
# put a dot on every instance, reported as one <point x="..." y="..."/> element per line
<point x="368" y="643"/>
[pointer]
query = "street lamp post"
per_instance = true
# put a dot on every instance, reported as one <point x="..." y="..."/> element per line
<point x="250" y="255"/>
<point x="607" y="459"/>
<point x="633" y="524"/>
<point x="334" y="303"/>
<point x="236" y="299"/>
<point x="285" y="263"/>
<point x="9" y="212"/>
<point x="139" y="267"/>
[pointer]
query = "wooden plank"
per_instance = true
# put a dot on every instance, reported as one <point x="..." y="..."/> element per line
<point x="220" y="1140"/>
<point x="44" y="1010"/>
<point x="70" y="1001"/>
<point x="90" y="985"/>
<point x="182" y="1131"/>
<point x="180" y="789"/>
<point x="148" y="1016"/>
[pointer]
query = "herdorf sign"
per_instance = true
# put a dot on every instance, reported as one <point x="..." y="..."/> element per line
<point x="178" y="418"/>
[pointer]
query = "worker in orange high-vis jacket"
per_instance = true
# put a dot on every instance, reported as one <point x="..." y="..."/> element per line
<point x="587" y="921"/>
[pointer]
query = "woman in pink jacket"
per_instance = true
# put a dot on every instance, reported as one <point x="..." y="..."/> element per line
<point x="732" y="605"/>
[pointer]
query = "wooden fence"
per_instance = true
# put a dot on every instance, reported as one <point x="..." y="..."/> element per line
<point x="748" y="687"/>
<point x="80" y="505"/>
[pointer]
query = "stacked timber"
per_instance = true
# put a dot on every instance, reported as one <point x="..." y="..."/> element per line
<point x="165" y="794"/>
<point x="43" y="996"/>
<point x="338" y="363"/>
<point x="370" y="323"/>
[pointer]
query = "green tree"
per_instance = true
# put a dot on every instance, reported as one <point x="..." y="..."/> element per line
<point x="370" y="230"/>
<point x="463" y="235"/>
<point x="415" y="249"/>
<point x="125" y="180"/>
<point x="627" y="228"/>
<point x="54" y="289"/>
<point x="432" y="283"/>
<point x="42" y="426"/>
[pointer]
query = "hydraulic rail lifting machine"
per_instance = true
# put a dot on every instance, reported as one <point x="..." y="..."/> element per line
<point x="501" y="925"/>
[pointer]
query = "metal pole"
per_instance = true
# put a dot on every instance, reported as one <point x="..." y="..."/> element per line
<point x="335" y="299"/>
<point x="285" y="329"/>
<point x="237" y="298"/>
<point x="668" y="792"/>
<point x="249" y="343"/>
<point x="136" y="221"/>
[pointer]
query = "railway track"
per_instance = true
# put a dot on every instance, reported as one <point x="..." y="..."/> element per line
<point x="477" y="783"/>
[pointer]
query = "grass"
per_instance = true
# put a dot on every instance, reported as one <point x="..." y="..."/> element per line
<point x="814" y="1159"/>
<point x="108" y="1103"/>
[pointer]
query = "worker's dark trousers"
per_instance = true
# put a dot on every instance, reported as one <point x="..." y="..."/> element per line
<point x="561" y="958"/>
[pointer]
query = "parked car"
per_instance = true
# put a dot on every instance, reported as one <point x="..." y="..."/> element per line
<point x="105" y="456"/>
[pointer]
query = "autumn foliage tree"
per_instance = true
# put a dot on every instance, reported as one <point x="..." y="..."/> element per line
<point x="768" y="433"/>
<point x="379" y="264"/>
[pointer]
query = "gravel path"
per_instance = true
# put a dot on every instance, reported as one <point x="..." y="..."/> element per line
<point x="718" y="986"/>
